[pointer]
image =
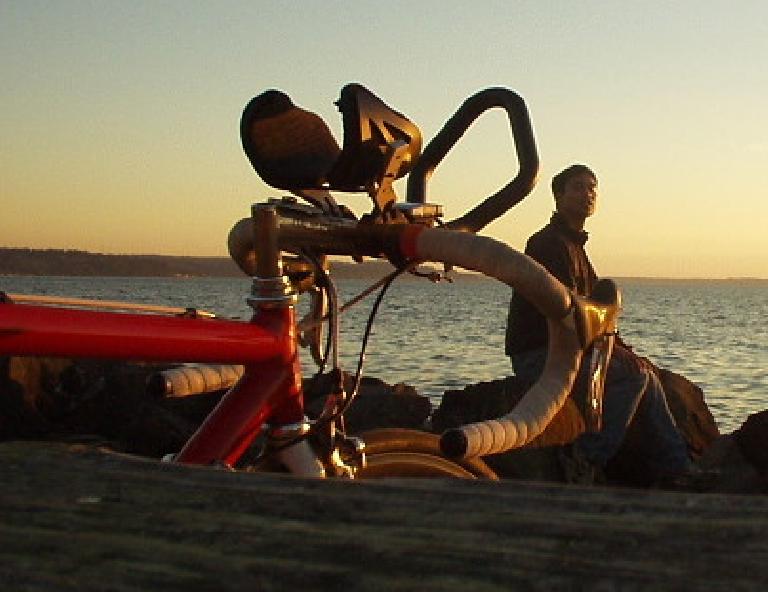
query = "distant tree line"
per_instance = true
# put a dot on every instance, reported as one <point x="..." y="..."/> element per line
<point x="65" y="262"/>
<point x="81" y="263"/>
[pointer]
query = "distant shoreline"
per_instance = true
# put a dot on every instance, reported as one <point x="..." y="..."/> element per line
<point x="74" y="263"/>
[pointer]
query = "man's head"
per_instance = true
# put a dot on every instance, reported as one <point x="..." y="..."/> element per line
<point x="575" y="192"/>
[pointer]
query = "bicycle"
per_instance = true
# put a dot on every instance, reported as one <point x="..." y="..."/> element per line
<point x="292" y="149"/>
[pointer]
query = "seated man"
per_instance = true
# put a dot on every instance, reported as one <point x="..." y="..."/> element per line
<point x="632" y="390"/>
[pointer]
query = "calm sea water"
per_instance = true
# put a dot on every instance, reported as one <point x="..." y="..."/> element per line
<point x="443" y="336"/>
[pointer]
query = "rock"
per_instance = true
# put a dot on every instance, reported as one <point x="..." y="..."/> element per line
<point x="107" y="400"/>
<point x="735" y="474"/>
<point x="741" y="458"/>
<point x="29" y="401"/>
<point x="56" y="398"/>
<point x="61" y="398"/>
<point x="377" y="404"/>
<point x="688" y="407"/>
<point x="752" y="440"/>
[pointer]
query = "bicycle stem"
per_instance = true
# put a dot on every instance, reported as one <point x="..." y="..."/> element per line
<point x="271" y="288"/>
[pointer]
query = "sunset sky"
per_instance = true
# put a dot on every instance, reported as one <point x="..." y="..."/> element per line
<point x="119" y="120"/>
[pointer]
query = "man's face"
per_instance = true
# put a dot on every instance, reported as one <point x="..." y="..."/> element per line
<point x="579" y="197"/>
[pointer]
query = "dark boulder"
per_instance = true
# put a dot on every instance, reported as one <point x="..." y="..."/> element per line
<point x="377" y="404"/>
<point x="44" y="398"/>
<point x="109" y="400"/>
<point x="99" y="399"/>
<point x="752" y="440"/>
<point x="741" y="458"/>
<point x="28" y="395"/>
<point x="734" y="473"/>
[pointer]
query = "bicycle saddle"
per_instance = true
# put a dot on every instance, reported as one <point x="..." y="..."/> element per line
<point x="291" y="148"/>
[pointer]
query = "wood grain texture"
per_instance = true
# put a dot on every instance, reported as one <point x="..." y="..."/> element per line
<point x="78" y="518"/>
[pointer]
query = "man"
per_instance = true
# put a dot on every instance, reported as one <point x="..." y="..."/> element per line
<point x="632" y="389"/>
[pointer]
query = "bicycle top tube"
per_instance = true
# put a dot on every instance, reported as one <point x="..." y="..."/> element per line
<point x="51" y="331"/>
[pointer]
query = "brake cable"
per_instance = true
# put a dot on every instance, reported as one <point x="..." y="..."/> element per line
<point x="349" y="397"/>
<point x="332" y="316"/>
<point x="332" y="342"/>
<point x="305" y="324"/>
<point x="367" y="333"/>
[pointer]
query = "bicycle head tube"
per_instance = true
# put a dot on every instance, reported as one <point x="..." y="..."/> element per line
<point x="270" y="289"/>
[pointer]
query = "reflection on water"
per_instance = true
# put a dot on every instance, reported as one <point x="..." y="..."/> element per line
<point x="712" y="332"/>
<point x="443" y="336"/>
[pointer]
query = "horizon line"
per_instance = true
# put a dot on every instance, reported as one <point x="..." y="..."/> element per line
<point x="383" y="261"/>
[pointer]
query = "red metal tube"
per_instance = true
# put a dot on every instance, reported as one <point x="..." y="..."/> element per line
<point x="48" y="331"/>
<point x="267" y="391"/>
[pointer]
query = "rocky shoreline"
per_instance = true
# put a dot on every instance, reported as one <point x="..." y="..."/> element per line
<point x="113" y="402"/>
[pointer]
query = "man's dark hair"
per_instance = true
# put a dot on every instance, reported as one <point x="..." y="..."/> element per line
<point x="561" y="178"/>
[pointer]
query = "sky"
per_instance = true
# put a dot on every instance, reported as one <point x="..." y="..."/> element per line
<point x="119" y="121"/>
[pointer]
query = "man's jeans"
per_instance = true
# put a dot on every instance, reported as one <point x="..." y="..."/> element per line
<point x="630" y="392"/>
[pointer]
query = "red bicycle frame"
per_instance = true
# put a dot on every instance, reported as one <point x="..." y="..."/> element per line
<point x="269" y="390"/>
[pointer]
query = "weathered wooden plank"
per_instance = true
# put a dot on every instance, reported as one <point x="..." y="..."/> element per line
<point x="75" y="518"/>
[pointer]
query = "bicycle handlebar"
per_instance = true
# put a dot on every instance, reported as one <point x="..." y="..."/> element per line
<point x="525" y="144"/>
<point x="573" y="322"/>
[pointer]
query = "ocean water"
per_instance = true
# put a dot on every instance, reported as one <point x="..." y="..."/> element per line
<point x="446" y="335"/>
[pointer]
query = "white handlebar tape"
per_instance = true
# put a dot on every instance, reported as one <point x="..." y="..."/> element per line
<point x="546" y="397"/>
